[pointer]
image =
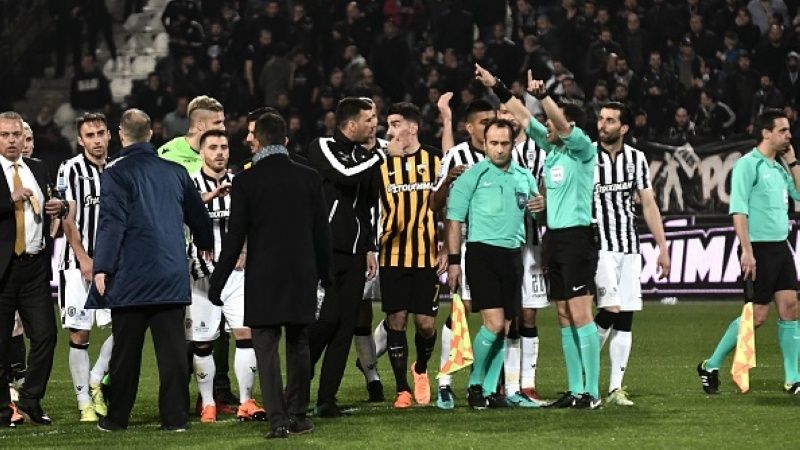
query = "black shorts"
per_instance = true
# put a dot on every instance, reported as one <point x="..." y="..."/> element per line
<point x="775" y="270"/>
<point x="409" y="289"/>
<point x="494" y="275"/>
<point x="571" y="258"/>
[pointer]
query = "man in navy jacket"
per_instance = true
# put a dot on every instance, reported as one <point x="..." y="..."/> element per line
<point x="141" y="271"/>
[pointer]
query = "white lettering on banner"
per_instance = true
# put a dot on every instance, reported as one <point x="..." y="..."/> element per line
<point x="714" y="171"/>
<point x="704" y="261"/>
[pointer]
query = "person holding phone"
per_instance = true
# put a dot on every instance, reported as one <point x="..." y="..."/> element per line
<point x="760" y="190"/>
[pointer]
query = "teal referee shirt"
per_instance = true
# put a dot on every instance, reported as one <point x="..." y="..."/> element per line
<point x="494" y="203"/>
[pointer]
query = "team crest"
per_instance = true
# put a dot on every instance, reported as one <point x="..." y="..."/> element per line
<point x="71" y="311"/>
<point x="630" y="168"/>
<point x="188" y="323"/>
<point x="522" y="199"/>
<point x="422" y="170"/>
<point x="601" y="292"/>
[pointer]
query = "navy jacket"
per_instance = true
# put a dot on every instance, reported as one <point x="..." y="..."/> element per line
<point x="140" y="244"/>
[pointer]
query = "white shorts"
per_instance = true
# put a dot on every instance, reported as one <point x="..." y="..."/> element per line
<point x="534" y="288"/>
<point x="18" y="330"/>
<point x="372" y="288"/>
<point x="618" y="281"/>
<point x="72" y="293"/>
<point x="203" y="318"/>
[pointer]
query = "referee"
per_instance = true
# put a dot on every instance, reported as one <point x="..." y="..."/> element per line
<point x="760" y="190"/>
<point x="570" y="248"/>
<point x="493" y="196"/>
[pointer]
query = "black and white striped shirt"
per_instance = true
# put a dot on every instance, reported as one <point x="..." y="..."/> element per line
<point x="219" y="210"/>
<point x="616" y="183"/>
<point x="79" y="179"/>
<point x="524" y="153"/>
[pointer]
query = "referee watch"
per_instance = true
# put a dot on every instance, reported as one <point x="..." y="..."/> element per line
<point x="454" y="259"/>
<point x="794" y="164"/>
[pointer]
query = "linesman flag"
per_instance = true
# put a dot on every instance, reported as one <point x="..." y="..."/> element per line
<point x="460" y="344"/>
<point x="744" y="358"/>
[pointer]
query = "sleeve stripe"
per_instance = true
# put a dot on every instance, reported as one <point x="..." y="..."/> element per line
<point x="341" y="168"/>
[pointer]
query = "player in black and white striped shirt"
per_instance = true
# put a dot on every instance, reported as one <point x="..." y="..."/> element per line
<point x="79" y="182"/>
<point x="202" y="317"/>
<point x="620" y="175"/>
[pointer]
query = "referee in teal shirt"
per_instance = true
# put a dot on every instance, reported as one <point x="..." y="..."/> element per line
<point x="493" y="196"/>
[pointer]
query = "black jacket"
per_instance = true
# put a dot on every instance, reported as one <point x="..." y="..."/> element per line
<point x="277" y="206"/>
<point x="350" y="182"/>
<point x="8" y="225"/>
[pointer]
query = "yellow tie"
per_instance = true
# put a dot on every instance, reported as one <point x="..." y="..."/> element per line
<point x="19" y="215"/>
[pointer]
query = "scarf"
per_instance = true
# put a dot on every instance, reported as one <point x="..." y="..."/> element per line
<point x="269" y="150"/>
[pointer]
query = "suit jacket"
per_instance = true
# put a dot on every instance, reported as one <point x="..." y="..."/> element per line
<point x="8" y="225"/>
<point x="279" y="208"/>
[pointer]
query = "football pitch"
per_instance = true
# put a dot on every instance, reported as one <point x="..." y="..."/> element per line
<point x="671" y="410"/>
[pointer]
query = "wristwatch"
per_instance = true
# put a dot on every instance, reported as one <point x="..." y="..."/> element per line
<point x="794" y="163"/>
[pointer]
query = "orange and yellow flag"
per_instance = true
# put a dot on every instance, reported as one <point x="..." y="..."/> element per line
<point x="460" y="344"/>
<point x="744" y="358"/>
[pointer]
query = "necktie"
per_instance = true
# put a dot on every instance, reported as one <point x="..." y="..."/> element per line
<point x="19" y="215"/>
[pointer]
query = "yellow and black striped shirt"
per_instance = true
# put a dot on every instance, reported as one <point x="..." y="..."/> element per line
<point x="408" y="236"/>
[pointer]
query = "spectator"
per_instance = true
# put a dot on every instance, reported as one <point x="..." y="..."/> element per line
<point x="624" y="74"/>
<point x="158" y="138"/>
<point x="188" y="80"/>
<point x="572" y="30"/>
<point x="181" y="19"/>
<point x="43" y="122"/>
<point x="682" y="129"/>
<point x="453" y="29"/>
<point x="657" y="75"/>
<point x="355" y="27"/>
<point x="257" y="55"/>
<point x="749" y="34"/>
<point x="225" y="87"/>
<point x="504" y="52"/>
<point x="641" y="129"/>
<point x="98" y="20"/>
<point x="789" y="81"/>
<point x="302" y="31"/>
<point x="794" y="124"/>
<point x="621" y="95"/>
<point x="535" y="58"/>
<point x="366" y="85"/>
<point x="766" y="97"/>
<point x="724" y="19"/>
<point x="713" y="119"/>
<point x="660" y="20"/>
<point x="740" y="87"/>
<point x="421" y="93"/>
<point x="705" y="42"/>
<point x="216" y="43"/>
<point x="770" y="54"/>
<point x="418" y="71"/>
<point x="548" y="37"/>
<point x="635" y="42"/>
<point x="597" y="54"/>
<point x="729" y="53"/>
<point x="154" y="99"/>
<point x="354" y="64"/>
<point x="570" y="92"/>
<point x="602" y="20"/>
<point x="599" y="99"/>
<point x="658" y="106"/>
<point x="523" y="20"/>
<point x="89" y="90"/>
<point x="390" y="60"/>
<point x="454" y="74"/>
<point x="328" y="124"/>
<point x="687" y="64"/>
<point x="275" y="75"/>
<point x="480" y="56"/>
<point x="760" y="10"/>
<point x="306" y="80"/>
<point x="176" y="123"/>
<point x="272" y="20"/>
<point x="298" y="137"/>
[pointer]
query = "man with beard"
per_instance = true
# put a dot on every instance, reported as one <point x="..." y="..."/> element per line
<point x="621" y="174"/>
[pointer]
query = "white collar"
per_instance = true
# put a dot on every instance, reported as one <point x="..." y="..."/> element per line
<point x="7" y="163"/>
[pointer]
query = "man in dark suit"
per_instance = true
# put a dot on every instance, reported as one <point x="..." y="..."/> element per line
<point x="24" y="270"/>
<point x="278" y="208"/>
<point x="141" y="272"/>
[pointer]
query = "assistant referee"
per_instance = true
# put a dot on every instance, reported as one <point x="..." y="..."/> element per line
<point x="493" y="196"/>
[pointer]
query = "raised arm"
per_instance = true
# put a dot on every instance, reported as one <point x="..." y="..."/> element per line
<point x="448" y="141"/>
<point x="514" y="105"/>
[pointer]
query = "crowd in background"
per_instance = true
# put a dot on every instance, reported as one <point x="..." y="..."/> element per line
<point x="692" y="71"/>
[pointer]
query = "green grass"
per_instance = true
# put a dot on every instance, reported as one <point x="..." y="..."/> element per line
<point x="671" y="410"/>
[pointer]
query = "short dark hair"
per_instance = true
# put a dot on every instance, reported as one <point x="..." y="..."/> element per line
<point x="253" y="115"/>
<point x="575" y="114"/>
<point x="270" y="129"/>
<point x="90" y="117"/>
<point x="766" y="121"/>
<point x="500" y="123"/>
<point x="408" y="110"/>
<point x="349" y="108"/>
<point x="135" y="124"/>
<point x="211" y="133"/>
<point x="477" y="106"/>
<point x="624" y="112"/>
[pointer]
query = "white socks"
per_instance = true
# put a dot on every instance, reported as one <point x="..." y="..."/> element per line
<point x="379" y="337"/>
<point x="511" y="366"/>
<point x="101" y="365"/>
<point x="79" y="369"/>
<point x="447" y="334"/>
<point x="619" y="351"/>
<point x="603" y="334"/>
<point x="365" y="349"/>
<point x="530" y="356"/>
<point x="244" y="365"/>
<point x="204" y="370"/>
